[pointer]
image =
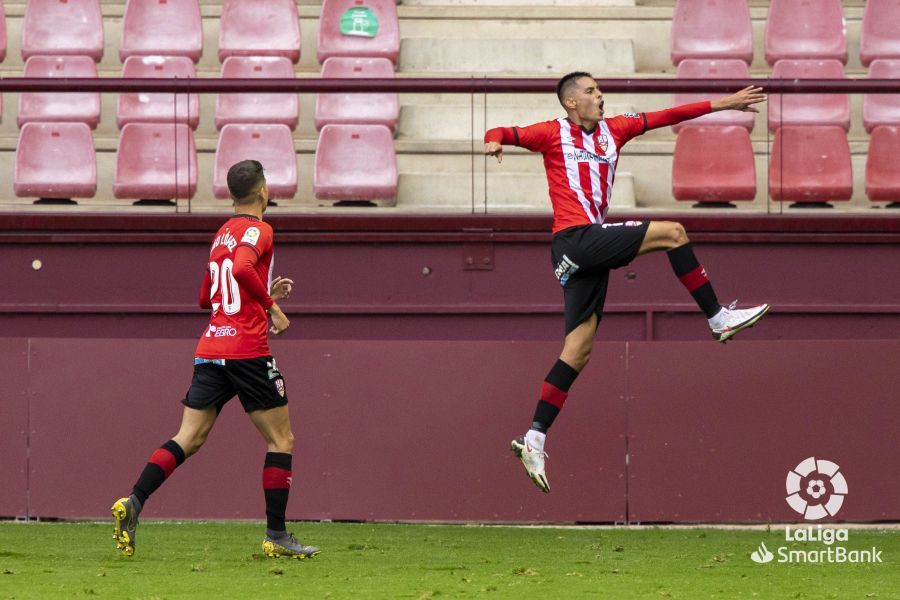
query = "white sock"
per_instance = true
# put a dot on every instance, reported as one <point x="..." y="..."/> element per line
<point x="717" y="319"/>
<point x="536" y="439"/>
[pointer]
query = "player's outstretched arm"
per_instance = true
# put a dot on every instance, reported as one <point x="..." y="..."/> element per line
<point x="742" y="100"/>
<point x="533" y="137"/>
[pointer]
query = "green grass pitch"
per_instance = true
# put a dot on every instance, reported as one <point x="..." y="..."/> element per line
<point x="223" y="560"/>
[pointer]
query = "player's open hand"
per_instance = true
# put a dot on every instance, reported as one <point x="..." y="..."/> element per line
<point x="281" y="288"/>
<point x="742" y="100"/>
<point x="494" y="149"/>
<point x="280" y="322"/>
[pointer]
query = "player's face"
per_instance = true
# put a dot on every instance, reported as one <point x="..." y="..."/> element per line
<point x="588" y="100"/>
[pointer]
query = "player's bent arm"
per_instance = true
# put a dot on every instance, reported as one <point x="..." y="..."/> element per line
<point x="204" y="300"/>
<point x="244" y="272"/>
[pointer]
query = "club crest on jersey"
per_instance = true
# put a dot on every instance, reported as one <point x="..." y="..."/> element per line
<point x="602" y="142"/>
<point x="251" y="236"/>
<point x="565" y="269"/>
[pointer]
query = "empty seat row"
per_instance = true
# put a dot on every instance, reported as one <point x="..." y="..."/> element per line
<point x="367" y="28"/>
<point x="159" y="161"/>
<point x="808" y="164"/>
<point x="795" y="29"/>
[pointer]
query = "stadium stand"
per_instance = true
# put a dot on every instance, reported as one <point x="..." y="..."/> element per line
<point x="58" y="107"/>
<point x="810" y="164"/>
<point x="880" y="35"/>
<point x="155" y="162"/>
<point x="364" y="28"/>
<point x="269" y="28"/>
<point x="882" y="174"/>
<point x="355" y="162"/>
<point x="713" y="165"/>
<point x="728" y="68"/>
<point x="73" y="27"/>
<point x="158" y="108"/>
<point x="882" y="109"/>
<point x="55" y="160"/>
<point x="161" y="28"/>
<point x="800" y="29"/>
<point x="712" y="29"/>
<point x="808" y="109"/>
<point x="271" y="145"/>
<point x="352" y="109"/>
<point x="257" y="108"/>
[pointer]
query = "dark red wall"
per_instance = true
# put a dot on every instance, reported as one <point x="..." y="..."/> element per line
<point x="406" y="389"/>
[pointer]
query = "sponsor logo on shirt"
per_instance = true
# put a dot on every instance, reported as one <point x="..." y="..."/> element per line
<point x="565" y="269"/>
<point x="587" y="156"/>
<point x="631" y="115"/>
<point x="218" y="332"/>
<point x="251" y="236"/>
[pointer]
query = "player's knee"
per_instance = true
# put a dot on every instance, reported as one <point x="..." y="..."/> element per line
<point x="284" y="443"/>
<point x="678" y="235"/>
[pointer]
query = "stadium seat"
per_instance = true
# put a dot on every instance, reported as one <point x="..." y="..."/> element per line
<point x="158" y="108"/>
<point x="810" y="164"/>
<point x="354" y="109"/>
<point x="729" y="68"/>
<point x="271" y="145"/>
<point x="149" y="164"/>
<point x="59" y="107"/>
<point x="880" y="35"/>
<point x="805" y="29"/>
<point x="882" y="175"/>
<point x="63" y="28"/>
<point x="882" y="109"/>
<point x="355" y="162"/>
<point x="55" y="160"/>
<point x="162" y="28"/>
<point x="808" y="109"/>
<point x="711" y="29"/>
<point x="257" y="108"/>
<point x="270" y="28"/>
<point x="2" y="32"/>
<point x="713" y="164"/>
<point x="366" y="28"/>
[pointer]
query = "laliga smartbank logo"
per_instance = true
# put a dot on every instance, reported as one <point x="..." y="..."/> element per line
<point x="816" y="489"/>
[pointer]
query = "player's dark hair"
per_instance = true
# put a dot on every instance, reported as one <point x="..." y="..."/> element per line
<point x="566" y="82"/>
<point x="244" y="178"/>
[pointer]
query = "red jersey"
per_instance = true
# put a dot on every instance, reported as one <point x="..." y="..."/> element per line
<point x="238" y="293"/>
<point x="581" y="165"/>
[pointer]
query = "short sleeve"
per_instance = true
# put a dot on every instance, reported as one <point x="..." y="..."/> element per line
<point x="627" y="126"/>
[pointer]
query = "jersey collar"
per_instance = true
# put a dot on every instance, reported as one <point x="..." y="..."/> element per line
<point x="245" y="216"/>
<point x="581" y="127"/>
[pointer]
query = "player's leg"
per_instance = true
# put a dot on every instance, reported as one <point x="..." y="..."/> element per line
<point x="275" y="426"/>
<point x="723" y="321"/>
<point x="195" y="427"/>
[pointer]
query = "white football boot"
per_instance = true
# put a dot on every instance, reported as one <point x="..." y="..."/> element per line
<point x="533" y="460"/>
<point x="730" y="320"/>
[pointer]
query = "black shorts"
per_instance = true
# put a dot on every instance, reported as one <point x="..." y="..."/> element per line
<point x="583" y="256"/>
<point x="256" y="381"/>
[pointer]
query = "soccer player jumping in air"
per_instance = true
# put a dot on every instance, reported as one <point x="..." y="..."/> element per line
<point x="233" y="358"/>
<point x="581" y="151"/>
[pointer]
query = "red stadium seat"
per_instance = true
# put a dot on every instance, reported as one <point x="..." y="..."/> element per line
<point x="713" y="164"/>
<point x="158" y="108"/>
<point x="63" y="28"/>
<point x="257" y="108"/>
<point x="271" y="145"/>
<point x="882" y="174"/>
<point x="355" y="162"/>
<point x="2" y="33"/>
<point x="808" y="109"/>
<point x="882" y="109"/>
<point x="162" y="28"/>
<point x="367" y="28"/>
<point x="711" y="29"/>
<point x="270" y="28"/>
<point x="354" y="109"/>
<point x="56" y="107"/>
<point x="810" y="164"/>
<point x="805" y="29"/>
<point x="880" y="36"/>
<point x="149" y="164"/>
<point x="729" y="68"/>
<point x="55" y="160"/>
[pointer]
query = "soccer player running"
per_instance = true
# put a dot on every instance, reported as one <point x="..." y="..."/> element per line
<point x="233" y="358"/>
<point x="581" y="151"/>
